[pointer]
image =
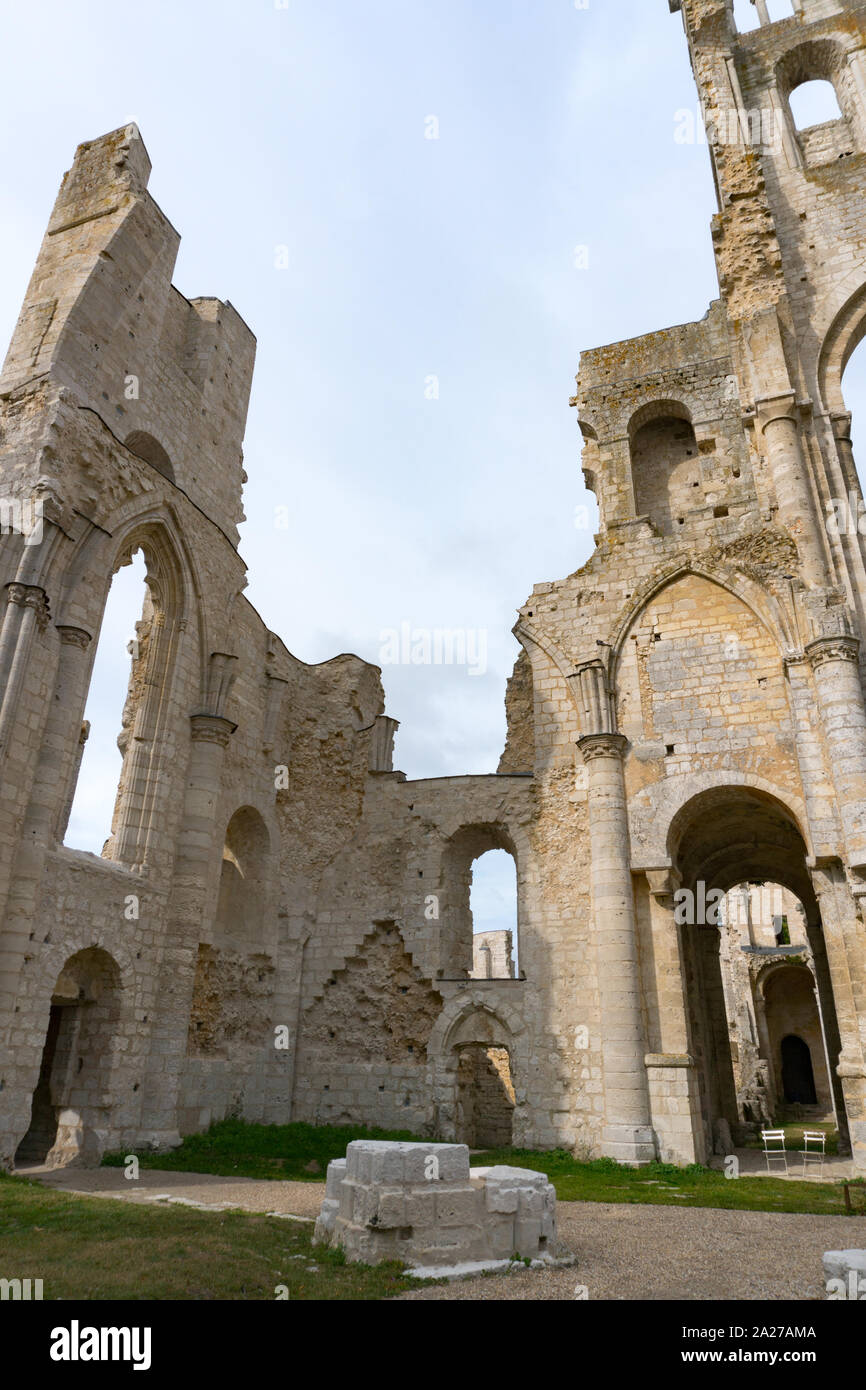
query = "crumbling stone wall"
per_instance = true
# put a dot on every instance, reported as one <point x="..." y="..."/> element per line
<point x="687" y="710"/>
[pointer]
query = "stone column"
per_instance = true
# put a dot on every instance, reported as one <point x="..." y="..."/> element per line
<point x="210" y="735"/>
<point x="780" y="427"/>
<point x="841" y="426"/>
<point x="671" y="1072"/>
<point x="843" y="938"/>
<point x="627" y="1134"/>
<point x="26" y="611"/>
<point x="834" y="662"/>
<point x="763" y="12"/>
<point x="382" y="744"/>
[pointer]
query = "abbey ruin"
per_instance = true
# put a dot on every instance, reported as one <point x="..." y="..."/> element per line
<point x="279" y="926"/>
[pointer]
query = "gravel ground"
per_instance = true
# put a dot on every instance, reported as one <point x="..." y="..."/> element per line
<point x="623" y="1251"/>
<point x="646" y="1252"/>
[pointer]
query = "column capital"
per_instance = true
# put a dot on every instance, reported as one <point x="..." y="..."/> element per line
<point x="842" y="647"/>
<point x="211" y="728"/>
<point x="74" y="636"/>
<point x="664" y="881"/>
<point x="602" y="746"/>
<point x="840" y="423"/>
<point x="770" y="408"/>
<point x="30" y="596"/>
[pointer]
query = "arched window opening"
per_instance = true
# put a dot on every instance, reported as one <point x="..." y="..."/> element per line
<point x="813" y="103"/>
<point x="241" y="906"/>
<point x="666" y="470"/>
<point x="150" y="449"/>
<point x="493" y="906"/>
<point x="115" y="688"/>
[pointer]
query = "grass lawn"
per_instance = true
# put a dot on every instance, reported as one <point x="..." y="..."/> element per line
<point x="96" y="1248"/>
<point x="794" y="1130"/>
<point x="300" y="1151"/>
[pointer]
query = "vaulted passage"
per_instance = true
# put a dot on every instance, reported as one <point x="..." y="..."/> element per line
<point x="72" y="1097"/>
<point x="737" y="836"/>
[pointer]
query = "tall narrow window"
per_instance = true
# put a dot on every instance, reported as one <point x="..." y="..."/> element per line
<point x="493" y="904"/>
<point x="108" y="709"/>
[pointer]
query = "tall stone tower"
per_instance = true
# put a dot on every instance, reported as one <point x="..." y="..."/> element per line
<point x="721" y="715"/>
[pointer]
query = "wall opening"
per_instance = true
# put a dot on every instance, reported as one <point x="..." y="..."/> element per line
<point x="478" y="894"/>
<point x="666" y="470"/>
<point x="485" y="1097"/>
<point x="72" y="1100"/>
<point x="798" y="1076"/>
<point x="813" y="103"/>
<point x="114" y="688"/>
<point x="745" y="991"/>
<point x="241" y="907"/>
<point x="493" y="906"/>
<point x="745" y="16"/>
<point x="42" y="1133"/>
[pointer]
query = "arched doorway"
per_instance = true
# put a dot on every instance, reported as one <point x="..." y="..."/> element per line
<point x="720" y="838"/>
<point x="479" y="1053"/>
<point x="72" y="1099"/>
<point x="798" y="1077"/>
<point x="485" y="1097"/>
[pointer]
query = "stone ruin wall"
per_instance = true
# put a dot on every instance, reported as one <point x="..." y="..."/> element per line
<point x="269" y="871"/>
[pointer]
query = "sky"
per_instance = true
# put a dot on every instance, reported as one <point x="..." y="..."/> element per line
<point x="424" y="209"/>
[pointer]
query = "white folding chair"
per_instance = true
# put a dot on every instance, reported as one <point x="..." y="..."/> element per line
<point x="814" y="1154"/>
<point x="773" y="1153"/>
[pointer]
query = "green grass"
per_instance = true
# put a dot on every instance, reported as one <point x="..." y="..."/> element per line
<point x="604" y="1180"/>
<point x="96" y="1248"/>
<point x="794" y="1130"/>
<point x="234" y="1149"/>
<point x="300" y="1151"/>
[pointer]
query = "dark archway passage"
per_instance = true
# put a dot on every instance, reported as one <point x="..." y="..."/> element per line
<point x="485" y="1097"/>
<point x="72" y="1099"/>
<point x="721" y="837"/>
<point x="42" y="1133"/>
<point x="798" y="1077"/>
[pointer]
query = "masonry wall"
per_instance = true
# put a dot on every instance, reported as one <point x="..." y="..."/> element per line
<point x="284" y="917"/>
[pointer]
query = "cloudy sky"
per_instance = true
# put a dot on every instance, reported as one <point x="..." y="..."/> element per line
<point x="424" y="209"/>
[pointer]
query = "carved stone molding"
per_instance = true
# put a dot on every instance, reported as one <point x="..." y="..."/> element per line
<point x="74" y="636"/>
<point x="30" y="596"/>
<point x="771" y="408"/>
<point x="211" y="728"/>
<point x="840" y="648"/>
<point x="602" y="746"/>
<point x="668" y="1059"/>
<point x="664" y="882"/>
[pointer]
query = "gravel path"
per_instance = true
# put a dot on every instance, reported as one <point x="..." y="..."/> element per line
<point x="623" y="1251"/>
<point x="646" y="1252"/>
